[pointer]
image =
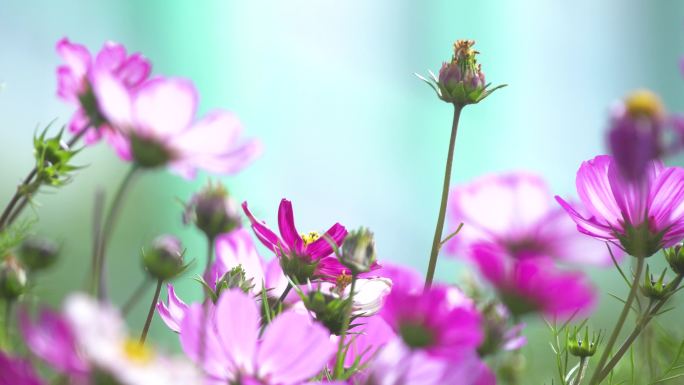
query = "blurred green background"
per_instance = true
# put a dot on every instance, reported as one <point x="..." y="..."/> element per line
<point x="350" y="134"/>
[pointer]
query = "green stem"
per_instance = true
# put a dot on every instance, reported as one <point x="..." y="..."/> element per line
<point x="638" y="328"/>
<point x="108" y="228"/>
<point x="281" y="298"/>
<point x="205" y="306"/>
<point x="339" y="362"/>
<point x="584" y="363"/>
<point x="135" y="297"/>
<point x="150" y="313"/>
<point x="596" y="377"/>
<point x="445" y="196"/>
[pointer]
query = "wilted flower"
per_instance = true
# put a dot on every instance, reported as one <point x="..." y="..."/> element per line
<point x="76" y="81"/>
<point x="158" y="127"/>
<point x="90" y="342"/>
<point x="358" y="251"/>
<point x="516" y="211"/>
<point x="303" y="257"/>
<point x="580" y="346"/>
<point x="213" y="211"/>
<point x="12" y="279"/>
<point x="533" y="284"/>
<point x="636" y="133"/>
<point x="291" y="350"/>
<point x="163" y="260"/>
<point x="38" y="253"/>
<point x="16" y="371"/>
<point x="642" y="218"/>
<point x="461" y="80"/>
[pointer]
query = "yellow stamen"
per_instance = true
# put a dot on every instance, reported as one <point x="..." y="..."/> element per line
<point x="644" y="103"/>
<point x="137" y="352"/>
<point x="342" y="281"/>
<point x="310" y="237"/>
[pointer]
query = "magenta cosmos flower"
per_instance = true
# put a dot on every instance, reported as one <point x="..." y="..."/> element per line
<point x="158" y="127"/>
<point x="641" y="217"/>
<point x="75" y="81"/>
<point x="291" y="350"/>
<point x="15" y="371"/>
<point x="302" y="256"/>
<point x="516" y="211"/>
<point x="531" y="285"/>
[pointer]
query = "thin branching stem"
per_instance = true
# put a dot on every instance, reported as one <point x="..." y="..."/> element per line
<point x="339" y="361"/>
<point x="150" y="313"/>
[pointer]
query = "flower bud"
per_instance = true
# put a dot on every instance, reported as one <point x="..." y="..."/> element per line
<point x="212" y="211"/>
<point x="38" y="253"/>
<point x="12" y="279"/>
<point x="580" y="346"/>
<point x="461" y="80"/>
<point x="655" y="289"/>
<point x="235" y="278"/>
<point x="358" y="251"/>
<point x="498" y="334"/>
<point x="635" y="137"/>
<point x="328" y="309"/>
<point x="53" y="158"/>
<point x="675" y="257"/>
<point x="164" y="259"/>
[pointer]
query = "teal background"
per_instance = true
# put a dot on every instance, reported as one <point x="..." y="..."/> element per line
<point x="350" y="134"/>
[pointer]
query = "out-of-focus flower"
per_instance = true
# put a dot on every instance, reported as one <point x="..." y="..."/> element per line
<point x="233" y="250"/>
<point x="675" y="258"/>
<point x="635" y="137"/>
<point x="13" y="279"/>
<point x="303" y="257"/>
<point x="291" y="350"/>
<point x="91" y="341"/>
<point x="531" y="285"/>
<point x="38" y="253"/>
<point x="76" y="81"/>
<point x="164" y="259"/>
<point x="213" y="211"/>
<point x="461" y="80"/>
<point x="16" y="371"/>
<point x="396" y="364"/>
<point x="368" y="337"/>
<point x="517" y="212"/>
<point x="642" y="218"/>
<point x="440" y="321"/>
<point x="499" y="334"/>
<point x="158" y="127"/>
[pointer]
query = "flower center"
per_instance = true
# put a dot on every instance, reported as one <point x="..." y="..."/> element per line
<point x="137" y="352"/>
<point x="644" y="103"/>
<point x="416" y="335"/>
<point x="310" y="237"/>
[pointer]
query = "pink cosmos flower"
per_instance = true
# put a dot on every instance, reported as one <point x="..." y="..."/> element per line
<point x="15" y="371"/>
<point x="75" y="81"/>
<point x="232" y="249"/>
<point x="291" y="350"/>
<point x="533" y="284"/>
<point x="158" y="127"/>
<point x="517" y="212"/>
<point x="303" y="256"/>
<point x="640" y="217"/>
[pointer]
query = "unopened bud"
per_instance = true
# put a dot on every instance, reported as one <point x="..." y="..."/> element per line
<point x="164" y="259"/>
<point x="675" y="257"/>
<point x="38" y="253"/>
<point x="582" y="346"/>
<point x="653" y="288"/>
<point x="358" y="251"/>
<point x="12" y="279"/>
<point x="213" y="211"/>
<point x="235" y="278"/>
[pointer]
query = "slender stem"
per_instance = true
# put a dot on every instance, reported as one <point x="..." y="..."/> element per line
<point x="98" y="212"/>
<point x="8" y="319"/>
<point x="445" y="195"/>
<point x="135" y="296"/>
<point x="6" y="219"/>
<point x="638" y="328"/>
<point x="282" y="297"/>
<point x="595" y="378"/>
<point x="205" y="306"/>
<point x="108" y="228"/>
<point x="584" y="363"/>
<point x="150" y="313"/>
<point x="339" y="362"/>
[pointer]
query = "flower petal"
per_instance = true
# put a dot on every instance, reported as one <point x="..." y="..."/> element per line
<point x="172" y="313"/>
<point x="265" y="235"/>
<point x="76" y="57"/>
<point x="237" y="320"/>
<point x="593" y="188"/>
<point x="321" y="247"/>
<point x="165" y="107"/>
<point x="287" y="227"/>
